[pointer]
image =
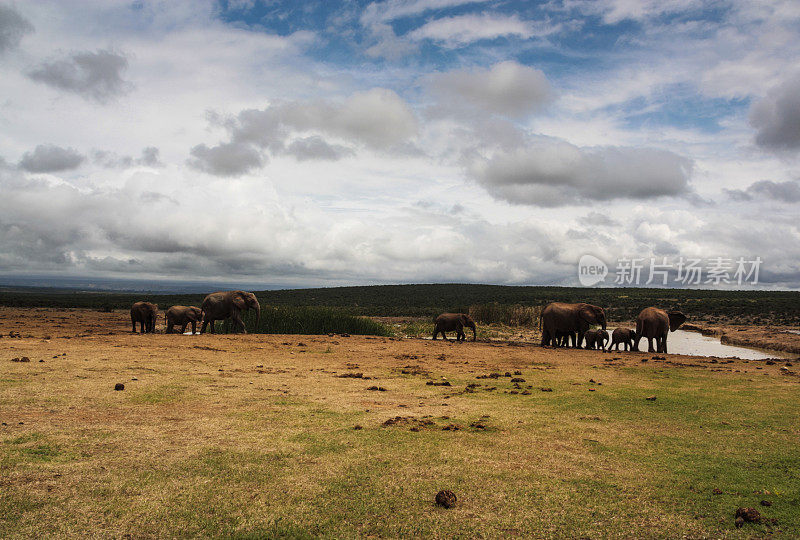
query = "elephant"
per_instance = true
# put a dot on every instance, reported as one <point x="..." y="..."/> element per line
<point x="596" y="339"/>
<point x="223" y="304"/>
<point x="559" y="318"/>
<point x="454" y="321"/>
<point x="653" y="323"/>
<point x="624" y="336"/>
<point x="145" y="314"/>
<point x="183" y="315"/>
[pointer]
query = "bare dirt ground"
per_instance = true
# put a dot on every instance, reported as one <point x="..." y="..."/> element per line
<point x="353" y="435"/>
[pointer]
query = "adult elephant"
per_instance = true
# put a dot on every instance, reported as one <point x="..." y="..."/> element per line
<point x="653" y="323"/>
<point x="625" y="337"/>
<point x="447" y="322"/>
<point x="183" y="315"/>
<point x="224" y="304"/>
<point x="559" y="318"/>
<point x="596" y="339"/>
<point x="145" y="314"/>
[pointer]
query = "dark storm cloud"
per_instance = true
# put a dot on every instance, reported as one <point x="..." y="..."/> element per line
<point x="47" y="158"/>
<point x="226" y="159"/>
<point x="788" y="192"/>
<point x="92" y="75"/>
<point x="776" y="117"/>
<point x="507" y="88"/>
<point x="110" y="160"/>
<point x="555" y="173"/>
<point x="316" y="148"/>
<point x="13" y="28"/>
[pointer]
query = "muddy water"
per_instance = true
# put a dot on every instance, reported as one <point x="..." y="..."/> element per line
<point x="694" y="343"/>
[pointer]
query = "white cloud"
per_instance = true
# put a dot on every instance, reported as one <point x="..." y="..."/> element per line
<point x="506" y="88"/>
<point x="460" y="30"/>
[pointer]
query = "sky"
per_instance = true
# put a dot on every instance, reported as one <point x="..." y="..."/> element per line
<point x="301" y="144"/>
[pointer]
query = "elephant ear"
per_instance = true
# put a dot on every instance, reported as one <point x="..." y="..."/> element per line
<point x="239" y="302"/>
<point x="587" y="314"/>
<point x="676" y="318"/>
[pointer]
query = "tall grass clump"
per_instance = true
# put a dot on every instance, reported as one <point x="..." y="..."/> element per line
<point x="509" y="315"/>
<point x="307" y="320"/>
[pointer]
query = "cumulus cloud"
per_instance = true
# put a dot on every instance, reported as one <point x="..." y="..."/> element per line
<point x="92" y="75"/>
<point x="461" y="30"/>
<point x="776" y="117"/>
<point x="378" y="119"/>
<point x="47" y="158"/>
<point x="788" y="192"/>
<point x="556" y="173"/>
<point x="507" y="88"/>
<point x="226" y="159"/>
<point x="13" y="28"/>
<point x="315" y="147"/>
<point x="111" y="160"/>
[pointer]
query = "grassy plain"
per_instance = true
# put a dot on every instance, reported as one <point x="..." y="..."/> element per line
<point x="260" y="436"/>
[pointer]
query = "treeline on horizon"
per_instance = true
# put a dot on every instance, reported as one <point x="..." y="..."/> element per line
<point x="775" y="307"/>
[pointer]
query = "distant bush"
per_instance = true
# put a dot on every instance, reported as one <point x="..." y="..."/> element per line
<point x="509" y="315"/>
<point x="307" y="320"/>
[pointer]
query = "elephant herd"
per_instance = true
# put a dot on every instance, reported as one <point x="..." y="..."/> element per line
<point x="561" y="323"/>
<point x="216" y="306"/>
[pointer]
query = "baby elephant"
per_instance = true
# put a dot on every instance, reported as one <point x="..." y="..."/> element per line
<point x="596" y="339"/>
<point x="447" y="322"/>
<point x="625" y="336"/>
<point x="183" y="315"/>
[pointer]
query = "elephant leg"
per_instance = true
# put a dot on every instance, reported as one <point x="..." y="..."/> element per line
<point x="133" y="323"/>
<point x="170" y="327"/>
<point x="650" y="345"/>
<point x="194" y="327"/>
<point x="238" y="324"/>
<point x="204" y="326"/>
<point x="545" y="338"/>
<point x="183" y="328"/>
<point x="664" y="343"/>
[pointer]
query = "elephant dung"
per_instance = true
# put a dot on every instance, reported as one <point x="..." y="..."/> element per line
<point x="446" y="498"/>
<point x="119" y="386"/>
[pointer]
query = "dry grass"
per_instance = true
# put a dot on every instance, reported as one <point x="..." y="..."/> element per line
<point x="254" y="436"/>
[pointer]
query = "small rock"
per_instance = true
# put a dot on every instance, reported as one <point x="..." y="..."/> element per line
<point x="650" y="398"/>
<point x="766" y="503"/>
<point x="739" y="522"/>
<point x="377" y="388"/>
<point x="770" y="362"/>
<point x="507" y="374"/>
<point x="591" y="389"/>
<point x="645" y="359"/>
<point x="358" y="426"/>
<point x="517" y="372"/>
<point x="119" y="386"/>
<point x="446" y="498"/>
<point x="716" y="491"/>
<point x="517" y="380"/>
<point x="546" y="389"/>
<point x="659" y="358"/>
<point x="134" y="379"/>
